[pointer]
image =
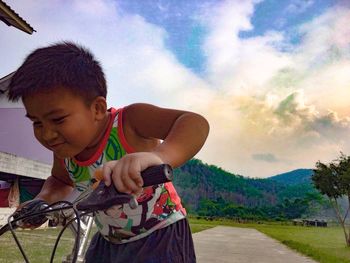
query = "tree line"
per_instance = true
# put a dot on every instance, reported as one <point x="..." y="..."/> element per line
<point x="208" y="190"/>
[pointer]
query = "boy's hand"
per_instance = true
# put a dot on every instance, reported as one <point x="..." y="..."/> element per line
<point x="29" y="207"/>
<point x="126" y="172"/>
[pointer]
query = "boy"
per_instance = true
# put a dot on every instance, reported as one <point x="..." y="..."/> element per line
<point x="64" y="91"/>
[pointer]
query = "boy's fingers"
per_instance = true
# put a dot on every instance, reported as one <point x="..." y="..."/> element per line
<point x="135" y="175"/>
<point x="107" y="172"/>
<point x="138" y="180"/>
<point x="118" y="182"/>
<point x="130" y="185"/>
<point x="131" y="178"/>
<point x="126" y="185"/>
<point x="125" y="176"/>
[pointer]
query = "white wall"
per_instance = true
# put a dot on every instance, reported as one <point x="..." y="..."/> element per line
<point x="4" y="214"/>
<point x="13" y="164"/>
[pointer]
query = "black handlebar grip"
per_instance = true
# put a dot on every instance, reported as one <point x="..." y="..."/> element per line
<point x="158" y="174"/>
<point x="104" y="196"/>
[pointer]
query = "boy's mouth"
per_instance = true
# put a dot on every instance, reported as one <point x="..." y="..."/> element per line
<point x="56" y="145"/>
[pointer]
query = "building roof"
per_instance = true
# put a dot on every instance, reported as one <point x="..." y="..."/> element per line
<point x="5" y="81"/>
<point x="11" y="18"/>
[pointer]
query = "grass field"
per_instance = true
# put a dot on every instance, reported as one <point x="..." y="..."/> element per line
<point x="325" y="245"/>
<point x="37" y="244"/>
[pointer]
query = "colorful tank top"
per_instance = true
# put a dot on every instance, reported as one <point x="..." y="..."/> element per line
<point x="158" y="206"/>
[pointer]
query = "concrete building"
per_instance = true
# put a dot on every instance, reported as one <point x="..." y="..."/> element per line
<point x="24" y="164"/>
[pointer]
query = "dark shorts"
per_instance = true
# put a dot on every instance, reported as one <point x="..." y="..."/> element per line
<point x="172" y="244"/>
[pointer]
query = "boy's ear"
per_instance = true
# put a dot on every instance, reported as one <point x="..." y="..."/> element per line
<point x="99" y="108"/>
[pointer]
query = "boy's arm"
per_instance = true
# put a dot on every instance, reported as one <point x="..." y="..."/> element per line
<point x="183" y="133"/>
<point x="57" y="186"/>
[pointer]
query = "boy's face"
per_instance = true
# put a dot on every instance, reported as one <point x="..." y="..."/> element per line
<point x="62" y="122"/>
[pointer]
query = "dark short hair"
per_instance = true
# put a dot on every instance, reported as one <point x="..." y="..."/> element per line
<point x="64" y="64"/>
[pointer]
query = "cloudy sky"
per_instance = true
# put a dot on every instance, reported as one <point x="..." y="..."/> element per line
<point x="272" y="77"/>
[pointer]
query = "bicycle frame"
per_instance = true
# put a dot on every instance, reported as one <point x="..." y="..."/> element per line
<point x="87" y="202"/>
<point x="86" y="224"/>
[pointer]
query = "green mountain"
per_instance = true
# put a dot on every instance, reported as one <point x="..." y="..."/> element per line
<point x="299" y="176"/>
<point x="211" y="191"/>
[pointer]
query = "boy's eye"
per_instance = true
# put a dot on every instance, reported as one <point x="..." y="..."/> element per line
<point x="36" y="123"/>
<point x="59" y="120"/>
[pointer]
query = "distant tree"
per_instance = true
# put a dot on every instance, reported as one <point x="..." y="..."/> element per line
<point x="333" y="180"/>
<point x="294" y="208"/>
<point x="316" y="201"/>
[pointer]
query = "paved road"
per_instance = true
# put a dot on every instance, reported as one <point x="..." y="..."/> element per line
<point x="242" y="245"/>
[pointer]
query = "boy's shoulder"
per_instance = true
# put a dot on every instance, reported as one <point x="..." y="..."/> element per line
<point x="138" y="114"/>
<point x="135" y="121"/>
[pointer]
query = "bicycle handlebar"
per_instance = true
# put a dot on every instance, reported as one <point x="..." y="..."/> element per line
<point x="101" y="198"/>
<point x="104" y="196"/>
<point x="158" y="174"/>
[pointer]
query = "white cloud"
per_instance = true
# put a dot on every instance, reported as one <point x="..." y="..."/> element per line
<point x="235" y="64"/>
<point x="263" y="101"/>
<point x="325" y="39"/>
<point x="290" y="103"/>
<point x="222" y="45"/>
<point x="137" y="64"/>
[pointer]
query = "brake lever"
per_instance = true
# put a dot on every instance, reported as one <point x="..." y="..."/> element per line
<point x="31" y="211"/>
<point x="103" y="197"/>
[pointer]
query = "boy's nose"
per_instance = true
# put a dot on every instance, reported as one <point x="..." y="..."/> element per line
<point x="49" y="134"/>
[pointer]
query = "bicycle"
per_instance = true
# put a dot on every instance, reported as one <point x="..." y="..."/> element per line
<point x="77" y="214"/>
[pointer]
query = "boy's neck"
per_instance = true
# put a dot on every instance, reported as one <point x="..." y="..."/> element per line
<point x="90" y="150"/>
